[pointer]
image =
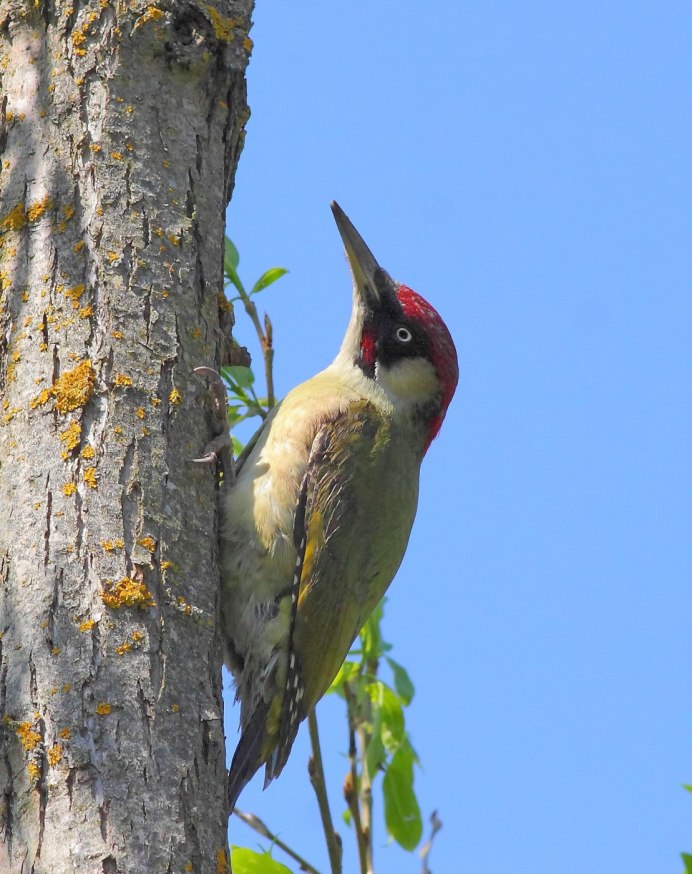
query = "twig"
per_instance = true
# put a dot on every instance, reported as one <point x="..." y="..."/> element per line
<point x="351" y="781"/>
<point x="256" y="823"/>
<point x="316" y="770"/>
<point x="365" y="798"/>
<point x="424" y="852"/>
<point x="268" y="350"/>
<point x="364" y="735"/>
<point x="266" y="339"/>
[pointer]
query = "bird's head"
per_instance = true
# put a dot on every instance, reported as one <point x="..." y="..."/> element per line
<point x="396" y="338"/>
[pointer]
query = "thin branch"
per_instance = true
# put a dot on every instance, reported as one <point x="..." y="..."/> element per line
<point x="365" y="798"/>
<point x="268" y="350"/>
<point x="316" y="770"/>
<point x="351" y="781"/>
<point x="266" y="339"/>
<point x="256" y="823"/>
<point x="424" y="852"/>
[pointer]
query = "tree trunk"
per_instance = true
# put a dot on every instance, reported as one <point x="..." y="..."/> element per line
<point x="120" y="130"/>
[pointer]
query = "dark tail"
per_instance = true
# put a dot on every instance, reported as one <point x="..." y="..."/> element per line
<point x="247" y="758"/>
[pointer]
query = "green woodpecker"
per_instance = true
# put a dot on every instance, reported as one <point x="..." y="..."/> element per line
<point x="317" y="521"/>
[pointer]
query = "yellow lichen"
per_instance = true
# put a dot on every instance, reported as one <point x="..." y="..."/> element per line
<point x="36" y="209"/>
<point x="148" y="543"/>
<point x="103" y="709"/>
<point x="122" y="648"/>
<point x="112" y="256"/>
<point x="78" y="246"/>
<point x="86" y="311"/>
<point x="71" y="435"/>
<point x="137" y="636"/>
<point x="139" y="412"/>
<point x="223" y="26"/>
<point x="75" y="293"/>
<point x="90" y="477"/>
<point x="34" y="772"/>
<point x="55" y="651"/>
<point x="152" y="13"/>
<point x="155" y="402"/>
<point x="165" y="565"/>
<point x="118" y="335"/>
<point x="71" y="390"/>
<point x="37" y="505"/>
<point x="65" y="733"/>
<point x="110" y="545"/>
<point x="29" y="738"/>
<point x="184" y="606"/>
<point x="88" y="452"/>
<point x="223" y="303"/>
<point x="16" y="218"/>
<point x="188" y="865"/>
<point x="117" y="156"/>
<point x="175" y="708"/>
<point x="221" y="861"/>
<point x="54" y="754"/>
<point x="96" y="147"/>
<point x="42" y="347"/>
<point x="69" y="489"/>
<point x="86" y="625"/>
<point x="175" y="397"/>
<point x="67" y="687"/>
<point x="127" y="593"/>
<point x="248" y="44"/>
<point x="122" y="379"/>
<point x="10" y="414"/>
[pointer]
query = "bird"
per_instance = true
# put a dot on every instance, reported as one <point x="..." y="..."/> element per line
<point x="318" y="517"/>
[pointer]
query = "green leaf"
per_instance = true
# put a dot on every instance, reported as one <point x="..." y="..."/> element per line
<point x="687" y="859"/>
<point x="389" y="715"/>
<point x="241" y="376"/>
<point x="238" y="447"/>
<point x="267" y="278"/>
<point x="371" y="636"/>
<point x="687" y="787"/>
<point x="230" y="264"/>
<point x="230" y="254"/>
<point x="375" y="754"/>
<point x="346" y="673"/>
<point x="244" y="861"/>
<point x="401" y="812"/>
<point x="402" y="681"/>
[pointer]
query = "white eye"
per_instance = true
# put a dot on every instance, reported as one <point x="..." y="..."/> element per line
<point x="404" y="335"/>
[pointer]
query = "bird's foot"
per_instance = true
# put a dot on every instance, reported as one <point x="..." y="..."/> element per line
<point x="218" y="449"/>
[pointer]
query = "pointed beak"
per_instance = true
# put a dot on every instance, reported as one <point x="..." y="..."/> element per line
<point x="374" y="285"/>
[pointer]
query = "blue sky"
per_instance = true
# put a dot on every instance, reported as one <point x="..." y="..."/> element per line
<point x="527" y="168"/>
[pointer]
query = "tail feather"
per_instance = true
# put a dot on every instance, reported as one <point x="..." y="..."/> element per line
<point x="247" y="758"/>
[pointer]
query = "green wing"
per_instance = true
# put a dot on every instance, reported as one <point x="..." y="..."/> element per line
<point x="353" y="519"/>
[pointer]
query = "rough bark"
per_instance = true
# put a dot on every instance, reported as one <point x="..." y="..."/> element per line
<point x="120" y="129"/>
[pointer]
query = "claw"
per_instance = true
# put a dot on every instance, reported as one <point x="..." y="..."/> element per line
<point x="219" y="449"/>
